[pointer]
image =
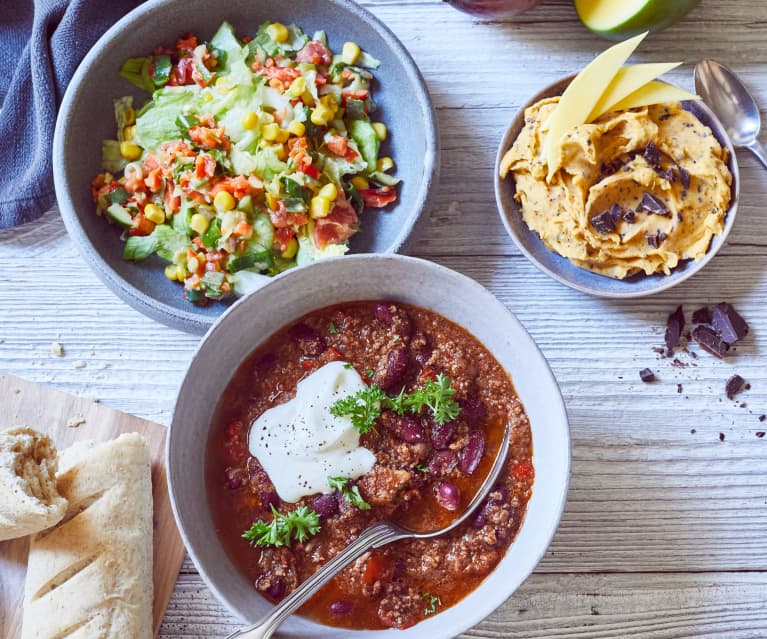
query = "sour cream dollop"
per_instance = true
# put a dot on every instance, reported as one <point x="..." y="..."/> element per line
<point x="301" y="443"/>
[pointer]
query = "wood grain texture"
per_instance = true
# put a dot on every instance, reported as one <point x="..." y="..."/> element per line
<point x="68" y="419"/>
<point x="664" y="531"/>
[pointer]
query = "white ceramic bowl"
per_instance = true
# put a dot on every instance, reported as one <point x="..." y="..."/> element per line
<point x="367" y="277"/>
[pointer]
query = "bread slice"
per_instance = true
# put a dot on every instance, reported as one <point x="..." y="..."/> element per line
<point x="90" y="577"/>
<point x="29" y="501"/>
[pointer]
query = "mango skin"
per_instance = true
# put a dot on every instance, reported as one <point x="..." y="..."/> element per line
<point x="656" y="16"/>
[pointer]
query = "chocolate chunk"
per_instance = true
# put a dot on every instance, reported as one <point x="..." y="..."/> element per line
<point x="652" y="155"/>
<point x="616" y="212"/>
<point x="762" y="418"/>
<point x="611" y="167"/>
<point x="731" y="326"/>
<point x="656" y="239"/>
<point x="702" y="315"/>
<point x="603" y="222"/>
<point x="721" y="437"/>
<point x="679" y="388"/>
<point x="652" y="204"/>
<point x="684" y="177"/>
<point x="760" y="434"/>
<point x="647" y="375"/>
<point x="629" y="216"/>
<point x="734" y="385"/>
<point x="710" y="341"/>
<point x="674" y="328"/>
<point x="667" y="175"/>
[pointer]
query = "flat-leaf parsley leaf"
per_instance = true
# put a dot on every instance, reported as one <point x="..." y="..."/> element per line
<point x="363" y="408"/>
<point x="432" y="601"/>
<point x="298" y="524"/>
<point x="352" y="495"/>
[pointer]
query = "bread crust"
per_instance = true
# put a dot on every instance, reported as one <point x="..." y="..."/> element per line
<point x="29" y="500"/>
<point x="91" y="575"/>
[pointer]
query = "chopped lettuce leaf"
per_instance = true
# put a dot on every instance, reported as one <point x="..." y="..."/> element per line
<point x="139" y="247"/>
<point x="158" y="122"/>
<point x="246" y="281"/>
<point x="308" y="252"/>
<point x="170" y="241"/>
<point x="364" y="135"/>
<point x="268" y="164"/>
<point x="136" y="71"/>
<point x="367" y="60"/>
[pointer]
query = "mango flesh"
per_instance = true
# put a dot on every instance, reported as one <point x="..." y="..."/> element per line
<point x="621" y="19"/>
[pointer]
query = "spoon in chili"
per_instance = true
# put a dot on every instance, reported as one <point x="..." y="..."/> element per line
<point x="376" y="536"/>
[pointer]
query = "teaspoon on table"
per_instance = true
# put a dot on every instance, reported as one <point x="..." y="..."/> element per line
<point x="732" y="103"/>
<point x="376" y="536"/>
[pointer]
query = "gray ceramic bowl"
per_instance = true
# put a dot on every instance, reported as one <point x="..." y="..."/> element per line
<point x="86" y="118"/>
<point x="367" y="277"/>
<point x="562" y="269"/>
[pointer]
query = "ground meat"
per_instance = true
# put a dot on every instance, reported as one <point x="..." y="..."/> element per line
<point x="383" y="486"/>
<point x="401" y="607"/>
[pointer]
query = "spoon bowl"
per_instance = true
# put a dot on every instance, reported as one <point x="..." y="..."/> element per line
<point x="375" y="536"/>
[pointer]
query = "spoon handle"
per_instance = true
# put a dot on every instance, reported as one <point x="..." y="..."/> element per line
<point x="758" y="150"/>
<point x="374" y="537"/>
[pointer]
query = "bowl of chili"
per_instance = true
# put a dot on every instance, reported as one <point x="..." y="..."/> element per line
<point x="436" y="382"/>
<point x="149" y="279"/>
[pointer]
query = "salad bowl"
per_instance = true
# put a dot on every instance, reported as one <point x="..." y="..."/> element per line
<point x="87" y="118"/>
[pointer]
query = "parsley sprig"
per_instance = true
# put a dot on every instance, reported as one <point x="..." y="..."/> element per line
<point x="365" y="406"/>
<point x="298" y="524"/>
<point x="352" y="495"/>
<point x="432" y="601"/>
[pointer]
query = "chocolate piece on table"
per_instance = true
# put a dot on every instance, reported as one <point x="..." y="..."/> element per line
<point x="760" y="434"/>
<point x="652" y="204"/>
<point x="734" y="385"/>
<point x="710" y="341"/>
<point x="603" y="222"/>
<point x="731" y="326"/>
<point x="702" y="315"/>
<point x="674" y="328"/>
<point x="647" y="375"/>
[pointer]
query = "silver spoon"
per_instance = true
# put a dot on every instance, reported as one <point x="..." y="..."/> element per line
<point x="376" y="536"/>
<point x="735" y="107"/>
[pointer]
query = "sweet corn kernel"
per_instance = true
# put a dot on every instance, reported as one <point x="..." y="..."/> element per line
<point x="282" y="135"/>
<point x="267" y="118"/>
<point x="129" y="132"/>
<point x="223" y="201"/>
<point x="171" y="272"/>
<point x="130" y="150"/>
<point x="280" y="151"/>
<point x="384" y="164"/>
<point x="291" y="249"/>
<point x="307" y="98"/>
<point x="329" y="192"/>
<point x="199" y="223"/>
<point x="154" y="213"/>
<point x="278" y="32"/>
<point x="207" y="96"/>
<point x="250" y="120"/>
<point x="321" y="115"/>
<point x="297" y="87"/>
<point x="350" y="52"/>
<point x="271" y="201"/>
<point x="360" y="183"/>
<point x="380" y="129"/>
<point x="130" y="115"/>
<point x="320" y="207"/>
<point x="297" y="128"/>
<point x="270" y="132"/>
<point x="329" y="102"/>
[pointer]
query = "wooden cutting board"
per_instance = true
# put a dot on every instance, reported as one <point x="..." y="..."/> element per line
<point x="57" y="414"/>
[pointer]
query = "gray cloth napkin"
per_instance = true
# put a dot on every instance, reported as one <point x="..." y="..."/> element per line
<point x="41" y="44"/>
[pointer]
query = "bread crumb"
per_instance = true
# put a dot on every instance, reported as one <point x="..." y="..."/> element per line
<point x="79" y="364"/>
<point x="74" y="422"/>
<point x="57" y="349"/>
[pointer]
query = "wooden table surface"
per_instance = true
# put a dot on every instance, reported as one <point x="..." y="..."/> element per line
<point x="665" y="530"/>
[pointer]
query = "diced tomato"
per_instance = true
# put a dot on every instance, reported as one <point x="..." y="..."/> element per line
<point x="181" y="73"/>
<point x="208" y="138"/>
<point x="238" y="186"/>
<point x="151" y="161"/>
<point x="282" y="236"/>
<point x="378" y="198"/>
<point x="172" y="201"/>
<point x="282" y="218"/>
<point x="308" y="364"/>
<point x="314" y="52"/>
<point x="311" y="171"/>
<point x="338" y="226"/>
<point x="339" y="145"/>
<point x="334" y="355"/>
<point x="141" y="225"/>
<point x="186" y="44"/>
<point x="243" y="229"/>
<point x="522" y="470"/>
<point x="153" y="181"/>
<point x="279" y="78"/>
<point x="360" y="94"/>
<point x="204" y="166"/>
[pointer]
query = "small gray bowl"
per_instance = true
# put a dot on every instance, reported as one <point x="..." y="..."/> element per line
<point x="581" y="279"/>
<point x="366" y="277"/>
<point x="86" y="118"/>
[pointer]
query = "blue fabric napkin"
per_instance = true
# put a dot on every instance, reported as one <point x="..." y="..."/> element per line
<point x="41" y="44"/>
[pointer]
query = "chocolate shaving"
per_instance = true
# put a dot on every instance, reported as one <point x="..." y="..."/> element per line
<point x="647" y="375"/>
<point x="679" y="388"/>
<point x="603" y="222"/>
<point x="656" y="239"/>
<point x="674" y="328"/>
<point x="629" y="216"/>
<point x="721" y="437"/>
<point x="760" y="434"/>
<point x="762" y="418"/>
<point x="652" y="155"/>
<point x="710" y="341"/>
<point x="652" y="205"/>
<point x="667" y="175"/>
<point x="731" y="326"/>
<point x="734" y="385"/>
<point x="702" y="315"/>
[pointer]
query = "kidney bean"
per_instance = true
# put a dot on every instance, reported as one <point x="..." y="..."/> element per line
<point x="392" y="371"/>
<point x="442" y="463"/>
<point x="340" y="607"/>
<point x="423" y="356"/>
<point x="472" y="453"/>
<point x="326" y="505"/>
<point x="480" y="519"/>
<point x="309" y="341"/>
<point x="383" y="313"/>
<point x="472" y="407"/>
<point x="442" y="435"/>
<point x="269" y="498"/>
<point x="448" y="495"/>
<point x="498" y="496"/>
<point x="405" y="427"/>
<point x="276" y="589"/>
<point x="235" y="478"/>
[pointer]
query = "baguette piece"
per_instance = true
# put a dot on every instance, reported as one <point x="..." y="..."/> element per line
<point x="90" y="577"/>
<point x="29" y="500"/>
